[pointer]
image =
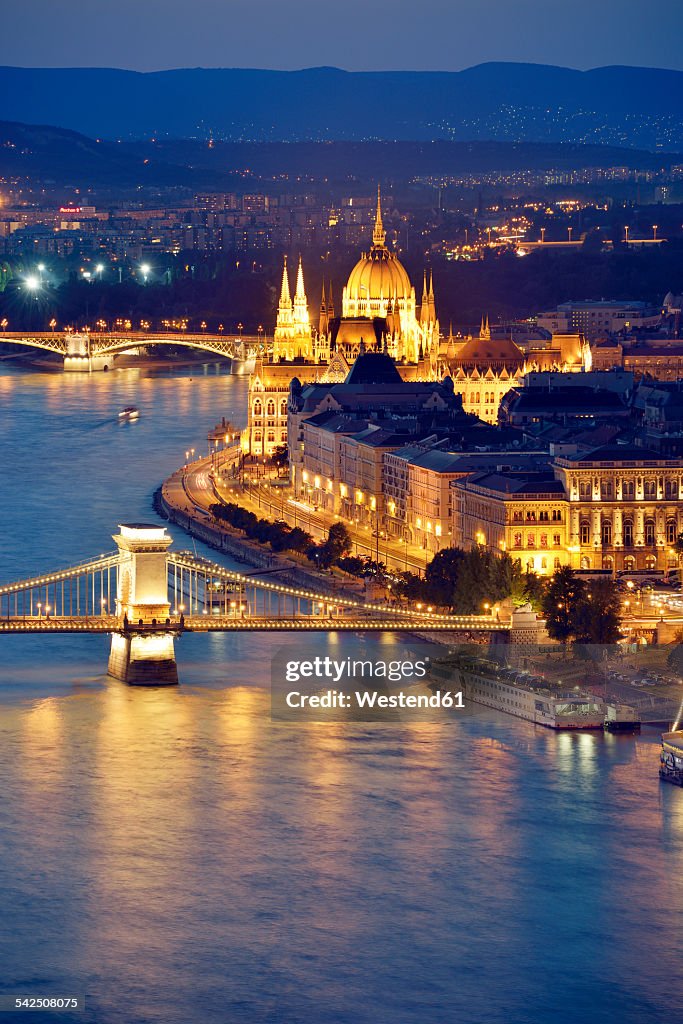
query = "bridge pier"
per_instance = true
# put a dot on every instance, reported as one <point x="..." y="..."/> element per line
<point x="79" y="357"/>
<point x="143" y="659"/>
<point x="143" y="652"/>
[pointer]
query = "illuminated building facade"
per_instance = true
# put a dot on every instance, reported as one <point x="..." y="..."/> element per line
<point x="616" y="507"/>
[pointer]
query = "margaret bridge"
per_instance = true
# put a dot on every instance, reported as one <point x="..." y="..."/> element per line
<point x="145" y="596"/>
<point x="86" y="351"/>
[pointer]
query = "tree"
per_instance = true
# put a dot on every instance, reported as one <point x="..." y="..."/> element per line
<point x="441" y="575"/>
<point x="337" y="545"/>
<point x="280" y="457"/>
<point x="597" y="615"/>
<point x="560" y="601"/>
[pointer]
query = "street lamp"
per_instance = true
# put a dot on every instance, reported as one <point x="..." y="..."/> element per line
<point x="145" y="270"/>
<point x="32" y="283"/>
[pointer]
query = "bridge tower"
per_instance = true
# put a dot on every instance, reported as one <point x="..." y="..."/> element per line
<point x="142" y="652"/>
<point x="80" y="358"/>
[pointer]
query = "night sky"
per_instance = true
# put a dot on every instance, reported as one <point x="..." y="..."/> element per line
<point x="357" y="35"/>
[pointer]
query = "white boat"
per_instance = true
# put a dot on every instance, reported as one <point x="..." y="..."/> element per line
<point x="532" y="697"/>
<point x="129" y="413"/>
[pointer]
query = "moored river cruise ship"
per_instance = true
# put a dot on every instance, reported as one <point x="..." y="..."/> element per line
<point x="532" y="697"/>
<point x="671" y="758"/>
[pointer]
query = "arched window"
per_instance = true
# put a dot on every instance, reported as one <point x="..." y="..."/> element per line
<point x="650" y="489"/>
<point x="258" y="408"/>
<point x="283" y="407"/>
<point x="608" y="562"/>
<point x="671" y="489"/>
<point x="585" y="532"/>
<point x="629" y="563"/>
<point x="585" y="490"/>
<point x="628" y="533"/>
<point x="531" y="541"/>
<point x="628" y="490"/>
<point x="649" y="532"/>
<point x="271" y="437"/>
<point x="585" y="562"/>
<point x="606" y="533"/>
<point x="671" y="531"/>
<point x="270" y="408"/>
<point x="556" y="563"/>
<point x="650" y="562"/>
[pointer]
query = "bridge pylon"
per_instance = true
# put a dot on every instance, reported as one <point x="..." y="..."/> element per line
<point x="142" y="651"/>
<point x="79" y="356"/>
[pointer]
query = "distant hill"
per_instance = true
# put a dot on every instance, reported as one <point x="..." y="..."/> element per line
<point x="47" y="154"/>
<point x="634" y="107"/>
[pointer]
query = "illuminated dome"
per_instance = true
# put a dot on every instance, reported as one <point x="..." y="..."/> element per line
<point x="378" y="275"/>
<point x="378" y="278"/>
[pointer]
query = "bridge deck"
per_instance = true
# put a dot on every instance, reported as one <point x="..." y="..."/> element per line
<point x="233" y="624"/>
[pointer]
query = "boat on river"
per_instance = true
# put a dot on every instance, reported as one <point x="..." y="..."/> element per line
<point x="532" y="697"/>
<point x="131" y="412"/>
<point x="671" y="757"/>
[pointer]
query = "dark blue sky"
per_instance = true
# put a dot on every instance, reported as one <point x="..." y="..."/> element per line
<point x="356" y="34"/>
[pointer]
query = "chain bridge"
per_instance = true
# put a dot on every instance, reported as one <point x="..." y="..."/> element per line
<point x="145" y="596"/>
<point x="88" y="350"/>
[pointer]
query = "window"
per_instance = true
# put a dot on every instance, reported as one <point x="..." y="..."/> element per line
<point x="671" y="489"/>
<point x="628" y="490"/>
<point x="585" y="490"/>
<point x="671" y="531"/>
<point x="270" y="408"/>
<point x="258" y="409"/>
<point x="585" y="532"/>
<point x="629" y="563"/>
<point x="650" y="489"/>
<point x="649" y="532"/>
<point x="606" y="490"/>
<point x="544" y="540"/>
<point x="557" y="515"/>
<point x="517" y="541"/>
<point x="543" y="516"/>
<point x="544" y="563"/>
<point x="606" y="532"/>
<point x="556" y="563"/>
<point x="531" y="540"/>
<point x="517" y="516"/>
<point x="271" y="437"/>
<point x="628" y="533"/>
<point x="283" y="407"/>
<point x="556" y="540"/>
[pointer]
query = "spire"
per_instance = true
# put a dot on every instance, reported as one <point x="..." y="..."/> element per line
<point x="484" y="330"/>
<point x="322" y="327"/>
<point x="300" y="304"/>
<point x="424" y="305"/>
<point x="379" y="234"/>
<point x="284" y="291"/>
<point x="330" y="301"/>
<point x="300" y="293"/>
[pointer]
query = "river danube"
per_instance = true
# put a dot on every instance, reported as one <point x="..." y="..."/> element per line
<point x="173" y="856"/>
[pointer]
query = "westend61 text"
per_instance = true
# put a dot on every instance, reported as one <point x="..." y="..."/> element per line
<point x="370" y="699"/>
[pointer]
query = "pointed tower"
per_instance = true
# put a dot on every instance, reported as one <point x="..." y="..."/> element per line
<point x="432" y="306"/>
<point x="378" y="233"/>
<point x="323" y="322"/>
<point x="424" y="305"/>
<point x="284" y="310"/>
<point x="330" y="302"/>
<point x="484" y="330"/>
<point x="300" y="306"/>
